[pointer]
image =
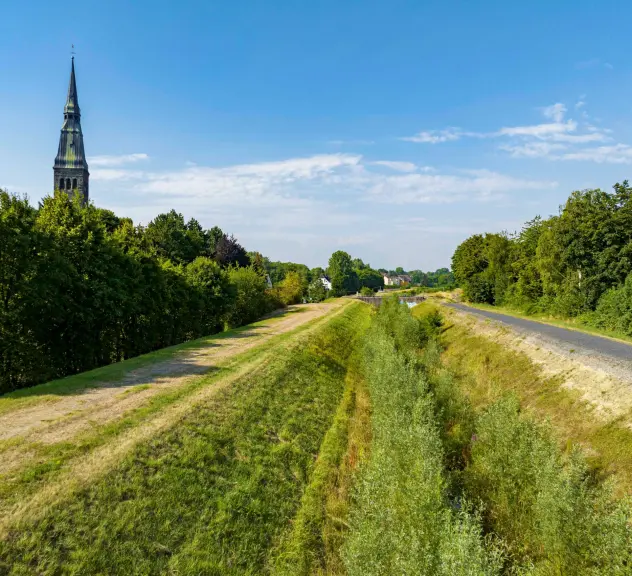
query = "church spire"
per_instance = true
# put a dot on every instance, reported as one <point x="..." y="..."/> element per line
<point x="72" y="102"/>
<point x="71" y="168"/>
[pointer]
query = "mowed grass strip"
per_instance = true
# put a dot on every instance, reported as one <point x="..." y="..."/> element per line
<point x="213" y="494"/>
<point x="313" y="542"/>
<point x="113" y="373"/>
<point x="45" y="462"/>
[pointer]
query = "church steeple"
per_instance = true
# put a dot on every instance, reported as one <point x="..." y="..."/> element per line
<point x="72" y="102"/>
<point x="71" y="168"/>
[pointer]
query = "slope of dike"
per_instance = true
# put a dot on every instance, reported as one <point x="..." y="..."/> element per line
<point x="584" y="391"/>
<point x="61" y="437"/>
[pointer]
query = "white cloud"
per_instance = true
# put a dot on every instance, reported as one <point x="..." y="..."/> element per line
<point x="110" y="174"/>
<point x="556" y="112"/>
<point x="447" y="188"/>
<point x="532" y="149"/>
<point x="539" y="130"/>
<point x="397" y="166"/>
<point x="121" y="160"/>
<point x="616" y="154"/>
<point x="304" y="187"/>
<point x="545" y="140"/>
<point x="435" y="136"/>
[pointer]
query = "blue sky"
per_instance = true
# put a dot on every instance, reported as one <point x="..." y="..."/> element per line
<point x="392" y="130"/>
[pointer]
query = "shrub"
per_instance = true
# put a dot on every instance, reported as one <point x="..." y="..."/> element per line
<point x="403" y="522"/>
<point x="251" y="299"/>
<point x="316" y="292"/>
<point x="544" y="504"/>
<point x="291" y="289"/>
<point x="366" y="291"/>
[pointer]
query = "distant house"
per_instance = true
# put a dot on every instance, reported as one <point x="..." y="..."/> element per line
<point x="404" y="279"/>
<point x="391" y="280"/>
<point x="326" y="282"/>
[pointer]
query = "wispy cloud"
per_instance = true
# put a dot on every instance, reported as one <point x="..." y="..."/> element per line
<point x="531" y="149"/>
<point x="539" y="130"/>
<point x="397" y="166"/>
<point x="593" y="63"/>
<point x="477" y="185"/>
<point x="616" y="154"/>
<point x="555" y="111"/>
<point x="556" y="139"/>
<point x="121" y="160"/>
<point x="301" y="184"/>
<point x="435" y="136"/>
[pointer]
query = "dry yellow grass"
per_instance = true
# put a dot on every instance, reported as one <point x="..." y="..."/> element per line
<point x="490" y="361"/>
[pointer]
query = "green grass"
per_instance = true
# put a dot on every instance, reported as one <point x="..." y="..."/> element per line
<point x="487" y="370"/>
<point x="403" y="520"/>
<point x="312" y="544"/>
<point x="213" y="495"/>
<point x="113" y="373"/>
<point x="50" y="460"/>
<point x="436" y="454"/>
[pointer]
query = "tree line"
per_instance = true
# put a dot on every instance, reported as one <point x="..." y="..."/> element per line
<point x="575" y="264"/>
<point x="81" y="287"/>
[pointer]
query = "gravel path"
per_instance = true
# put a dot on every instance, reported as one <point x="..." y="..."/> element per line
<point x="579" y="340"/>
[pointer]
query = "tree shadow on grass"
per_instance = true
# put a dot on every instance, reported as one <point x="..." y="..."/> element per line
<point x="174" y="361"/>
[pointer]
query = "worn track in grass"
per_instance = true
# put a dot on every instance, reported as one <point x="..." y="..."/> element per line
<point x="59" y="418"/>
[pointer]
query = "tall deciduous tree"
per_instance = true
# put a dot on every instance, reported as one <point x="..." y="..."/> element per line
<point x="344" y="279"/>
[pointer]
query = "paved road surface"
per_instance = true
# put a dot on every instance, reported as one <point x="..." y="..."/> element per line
<point x="580" y="340"/>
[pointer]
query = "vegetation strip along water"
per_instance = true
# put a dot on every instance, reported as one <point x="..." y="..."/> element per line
<point x="451" y="488"/>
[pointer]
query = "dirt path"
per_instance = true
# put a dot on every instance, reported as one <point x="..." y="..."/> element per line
<point x="62" y="417"/>
<point x="598" y="368"/>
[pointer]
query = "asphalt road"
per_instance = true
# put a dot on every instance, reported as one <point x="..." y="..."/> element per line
<point x="580" y="340"/>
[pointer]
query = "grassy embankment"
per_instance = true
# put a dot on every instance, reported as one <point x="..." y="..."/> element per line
<point x="215" y="493"/>
<point x="452" y="487"/>
<point x="47" y="469"/>
<point x="113" y="373"/>
<point x="487" y="370"/>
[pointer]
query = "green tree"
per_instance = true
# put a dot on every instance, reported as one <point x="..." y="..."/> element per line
<point x="344" y="279"/>
<point x="316" y="291"/>
<point x="371" y="279"/>
<point x="251" y="300"/>
<point x="292" y="288"/>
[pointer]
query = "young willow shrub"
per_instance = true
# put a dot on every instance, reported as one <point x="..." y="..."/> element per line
<point x="554" y="518"/>
<point x="404" y="521"/>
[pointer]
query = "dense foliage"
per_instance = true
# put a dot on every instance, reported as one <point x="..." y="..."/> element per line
<point x="572" y="264"/>
<point x="452" y="489"/>
<point x="80" y="287"/>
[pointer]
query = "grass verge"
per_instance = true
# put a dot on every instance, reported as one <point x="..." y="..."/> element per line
<point x="487" y="371"/>
<point x="319" y="528"/>
<point x="213" y="494"/>
<point x="113" y="373"/>
<point x="46" y="462"/>
<point x="457" y="488"/>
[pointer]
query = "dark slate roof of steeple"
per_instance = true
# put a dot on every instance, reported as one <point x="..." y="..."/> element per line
<point x="72" y="102"/>
<point x="71" y="153"/>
